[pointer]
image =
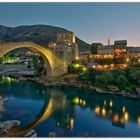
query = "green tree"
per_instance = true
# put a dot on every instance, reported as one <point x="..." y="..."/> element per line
<point x="122" y="81"/>
<point x="118" y="72"/>
<point x="38" y="64"/>
<point x="107" y="77"/>
<point x="134" y="76"/>
<point x="98" y="81"/>
<point x="94" y="47"/>
<point x="104" y="79"/>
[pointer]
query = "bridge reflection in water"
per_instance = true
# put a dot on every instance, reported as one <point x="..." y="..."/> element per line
<point x="56" y="103"/>
<point x="63" y="104"/>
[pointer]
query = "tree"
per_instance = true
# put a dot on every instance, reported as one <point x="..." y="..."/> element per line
<point x="107" y="77"/>
<point x="118" y="72"/>
<point x="104" y="79"/>
<point x="38" y="64"/>
<point x="122" y="81"/>
<point x="135" y="76"/>
<point x="98" y="81"/>
<point x="94" y="47"/>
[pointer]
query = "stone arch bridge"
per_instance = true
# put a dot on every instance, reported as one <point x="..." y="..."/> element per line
<point x="55" y="62"/>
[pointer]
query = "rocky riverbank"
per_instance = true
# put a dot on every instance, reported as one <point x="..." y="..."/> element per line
<point x="16" y="70"/>
<point x="9" y="124"/>
<point x="71" y="81"/>
<point x="2" y="101"/>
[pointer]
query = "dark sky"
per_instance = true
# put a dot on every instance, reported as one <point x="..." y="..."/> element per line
<point x="92" y="22"/>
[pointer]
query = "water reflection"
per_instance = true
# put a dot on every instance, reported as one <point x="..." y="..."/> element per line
<point x="62" y="109"/>
<point x="61" y="106"/>
<point x="117" y="117"/>
<point x="117" y="112"/>
<point x="8" y="80"/>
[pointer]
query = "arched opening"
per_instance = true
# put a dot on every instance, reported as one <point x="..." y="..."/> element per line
<point x="43" y="53"/>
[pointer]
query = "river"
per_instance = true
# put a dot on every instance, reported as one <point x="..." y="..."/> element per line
<point x="68" y="112"/>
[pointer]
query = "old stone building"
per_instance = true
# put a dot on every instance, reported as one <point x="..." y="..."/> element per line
<point x="65" y="47"/>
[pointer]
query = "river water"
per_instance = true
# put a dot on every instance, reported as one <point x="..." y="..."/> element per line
<point x="68" y="112"/>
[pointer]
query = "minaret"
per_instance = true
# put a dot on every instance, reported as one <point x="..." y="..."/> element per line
<point x="108" y="41"/>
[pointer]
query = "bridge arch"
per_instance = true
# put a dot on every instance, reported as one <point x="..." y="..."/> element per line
<point x="46" y="53"/>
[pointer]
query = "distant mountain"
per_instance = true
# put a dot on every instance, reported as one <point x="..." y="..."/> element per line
<point x="40" y="34"/>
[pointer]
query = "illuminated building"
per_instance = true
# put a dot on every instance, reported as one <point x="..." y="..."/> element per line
<point x="120" y="47"/>
<point x="133" y="53"/>
<point x="106" y="50"/>
<point x="66" y="46"/>
<point x="84" y="54"/>
<point x="68" y="38"/>
<point x="125" y="55"/>
<point x="120" y="44"/>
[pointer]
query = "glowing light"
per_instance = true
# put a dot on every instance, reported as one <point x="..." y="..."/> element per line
<point x="76" y="100"/>
<point x="126" y="116"/>
<point x="97" y="109"/>
<point x="105" y="103"/>
<point x="116" y="118"/>
<point x="123" y="109"/>
<point x="71" y="123"/>
<point x="76" y="65"/>
<point x="127" y="59"/>
<point x="103" y="112"/>
<point x="105" y="66"/>
<point x="77" y="58"/>
<point x="111" y="104"/>
<point x="99" y="66"/>
<point x="125" y="65"/>
<point x="84" y="103"/>
<point x="84" y="68"/>
<point x="81" y="101"/>
<point x="138" y="119"/>
<point x="112" y="65"/>
<point x="94" y="67"/>
<point x="123" y="121"/>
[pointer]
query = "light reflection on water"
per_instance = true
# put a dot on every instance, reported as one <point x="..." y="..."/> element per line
<point x="75" y="112"/>
<point x="8" y="80"/>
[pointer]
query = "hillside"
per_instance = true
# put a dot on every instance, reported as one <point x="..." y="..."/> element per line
<point x="40" y="34"/>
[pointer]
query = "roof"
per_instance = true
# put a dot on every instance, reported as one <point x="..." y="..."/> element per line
<point x="85" y="52"/>
<point x="133" y="48"/>
<point x="107" y="47"/>
<point x="120" y="42"/>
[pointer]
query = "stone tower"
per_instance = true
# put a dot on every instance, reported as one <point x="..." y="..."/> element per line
<point x="65" y="48"/>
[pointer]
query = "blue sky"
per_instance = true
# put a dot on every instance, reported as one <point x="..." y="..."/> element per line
<point x="92" y="22"/>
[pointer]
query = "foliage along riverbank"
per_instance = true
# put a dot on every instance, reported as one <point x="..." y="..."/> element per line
<point x="113" y="90"/>
<point x="125" y="82"/>
<point x="119" y="82"/>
